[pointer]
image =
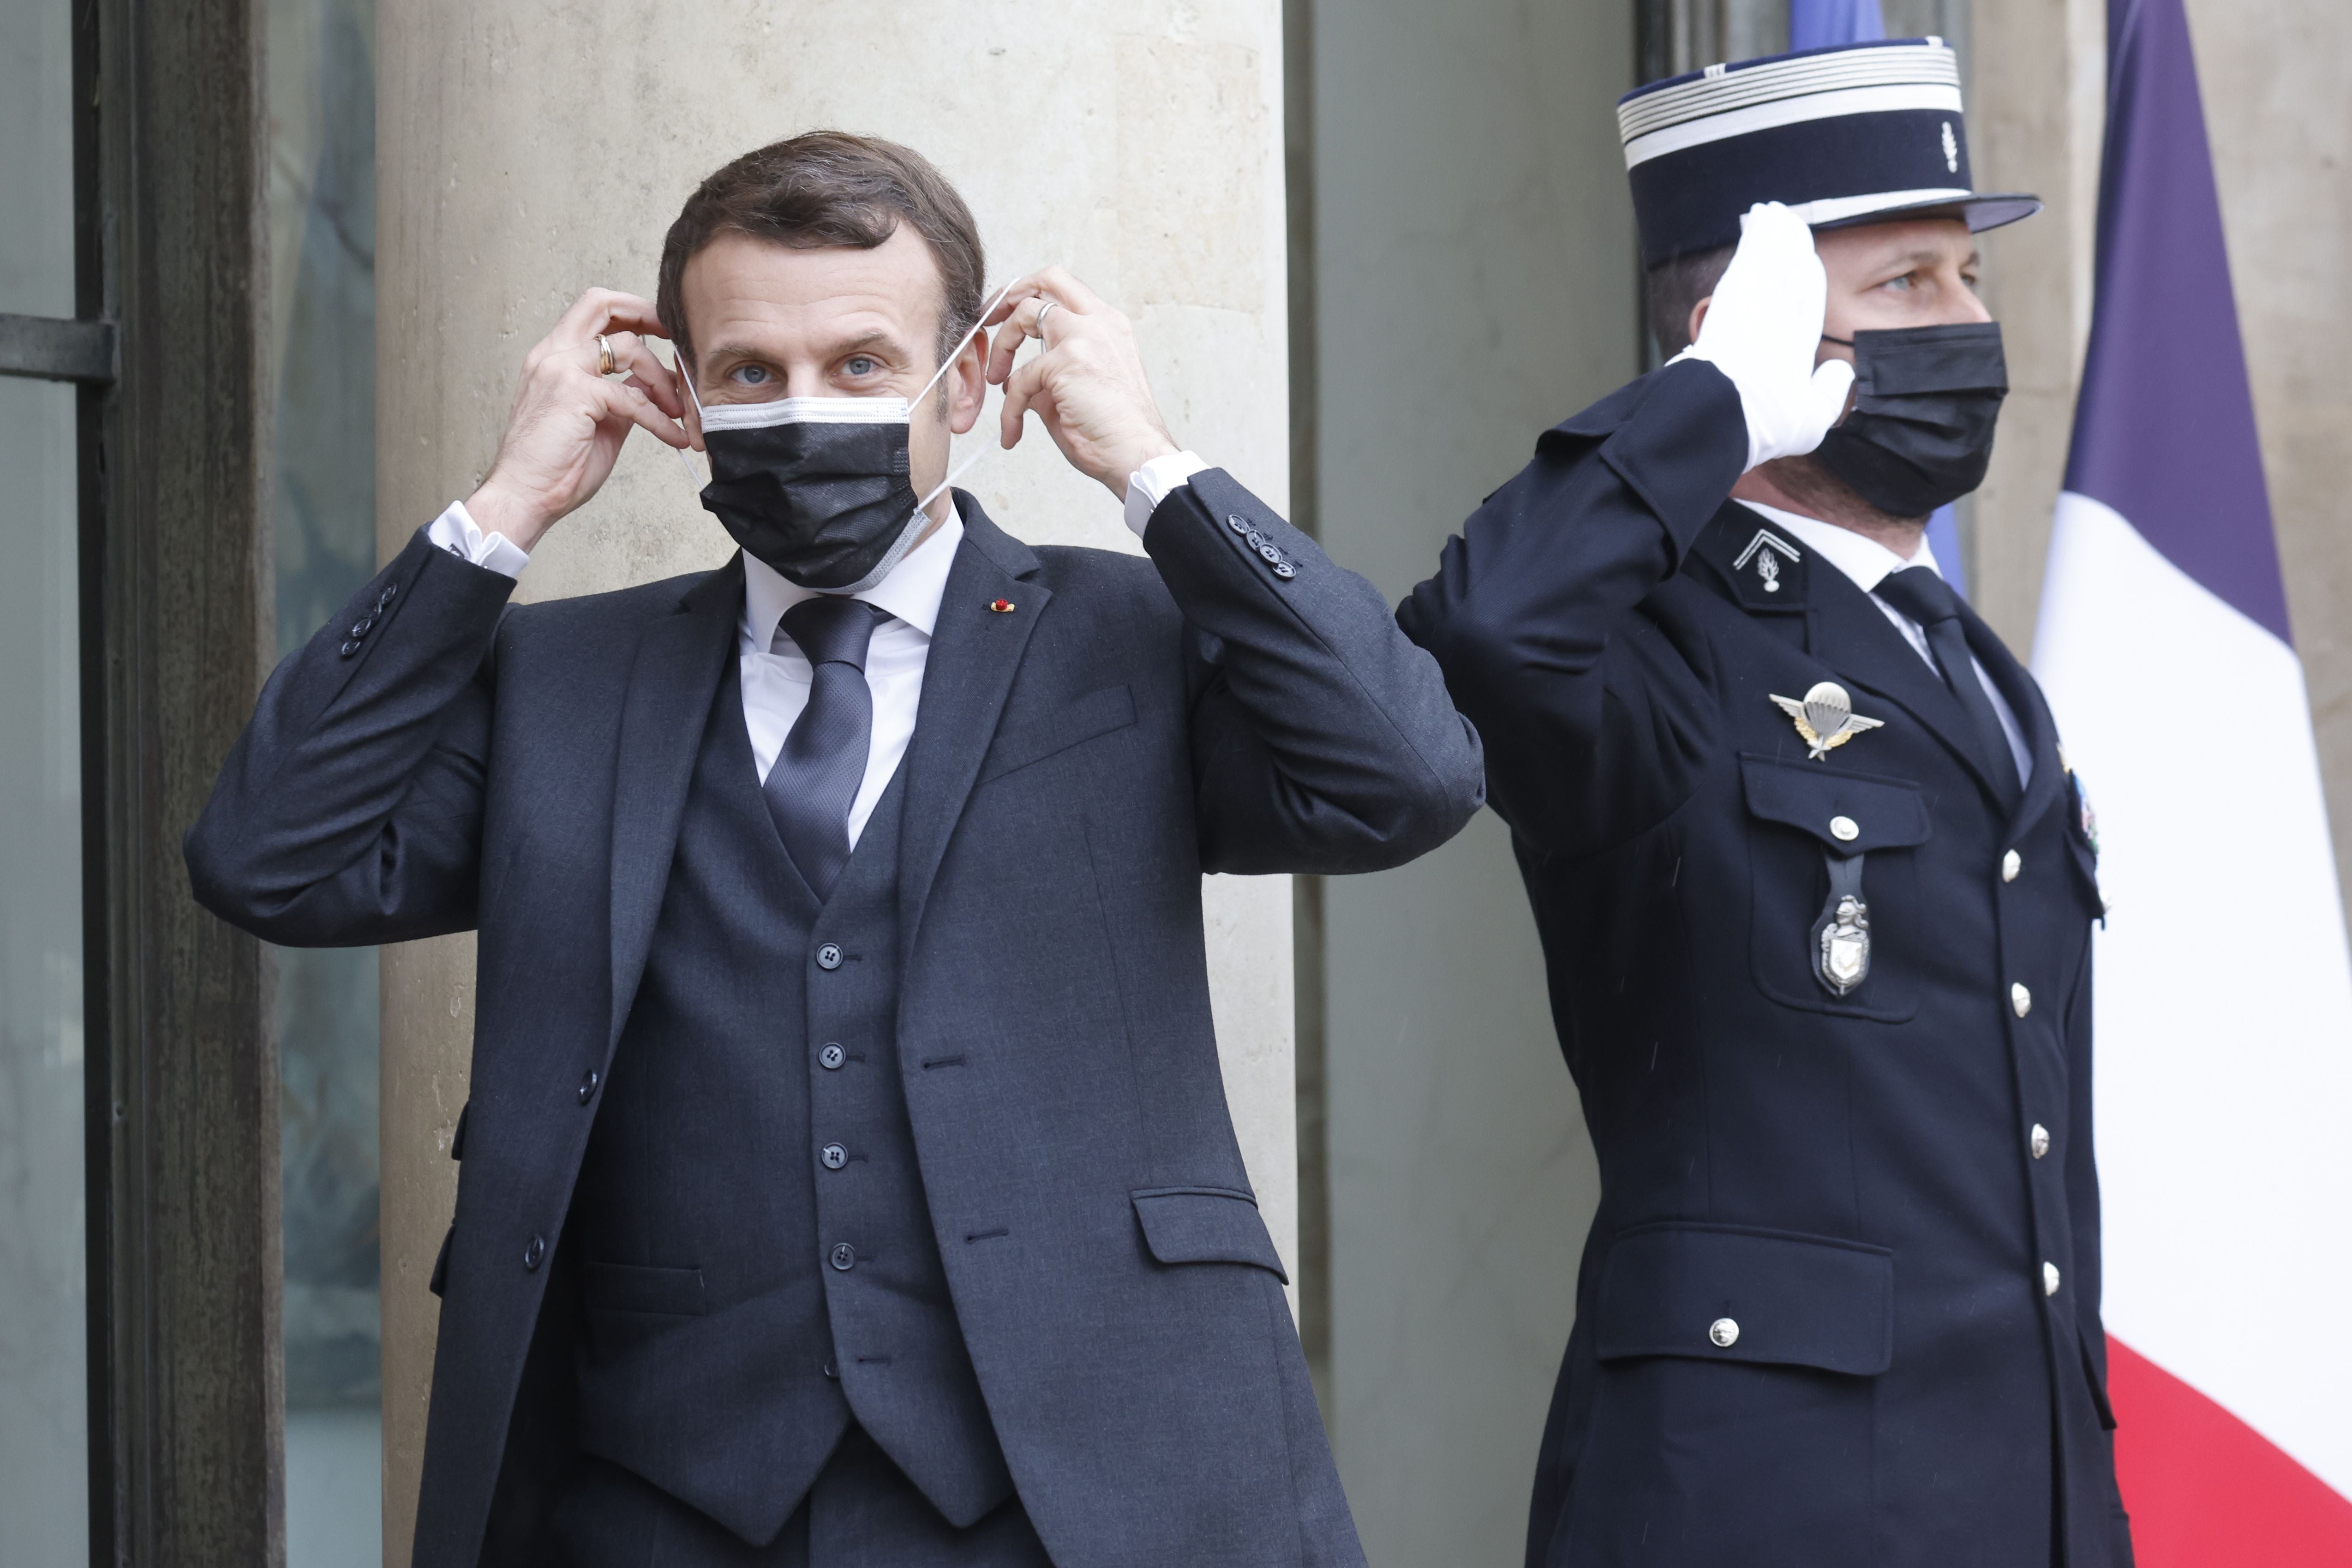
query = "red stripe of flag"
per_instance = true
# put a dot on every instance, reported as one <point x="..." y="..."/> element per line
<point x="2205" y="1489"/>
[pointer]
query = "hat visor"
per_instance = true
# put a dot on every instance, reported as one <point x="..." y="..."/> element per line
<point x="1981" y="213"/>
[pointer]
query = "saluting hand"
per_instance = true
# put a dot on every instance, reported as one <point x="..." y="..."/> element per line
<point x="570" y="416"/>
<point x="1087" y="384"/>
<point x="1762" y="328"/>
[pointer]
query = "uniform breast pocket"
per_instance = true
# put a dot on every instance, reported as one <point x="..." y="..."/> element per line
<point x="1835" y="921"/>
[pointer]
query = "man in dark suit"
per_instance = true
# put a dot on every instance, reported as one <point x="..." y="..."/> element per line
<point x="1814" y="883"/>
<point x="847" y="1177"/>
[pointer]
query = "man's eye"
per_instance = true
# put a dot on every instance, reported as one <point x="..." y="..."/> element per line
<point x="751" y="375"/>
<point x="1900" y="285"/>
<point x="860" y="365"/>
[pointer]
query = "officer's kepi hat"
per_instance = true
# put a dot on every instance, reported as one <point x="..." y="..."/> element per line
<point x="1854" y="134"/>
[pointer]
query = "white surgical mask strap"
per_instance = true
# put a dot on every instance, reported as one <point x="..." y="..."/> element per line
<point x="915" y="401"/>
<point x="687" y="376"/>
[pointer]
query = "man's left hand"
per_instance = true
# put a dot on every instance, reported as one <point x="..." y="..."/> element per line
<point x="1087" y="384"/>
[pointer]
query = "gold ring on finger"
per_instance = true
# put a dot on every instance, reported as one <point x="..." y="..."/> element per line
<point x="605" y="364"/>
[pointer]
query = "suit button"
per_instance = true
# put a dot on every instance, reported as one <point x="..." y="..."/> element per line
<point x="534" y="1254"/>
<point x="2039" y="1140"/>
<point x="828" y="956"/>
<point x="1285" y="570"/>
<point x="2050" y="1280"/>
<point x="1723" y="1333"/>
<point x="2021" y="1000"/>
<point x="829" y="1373"/>
<point x="1844" y="829"/>
<point x="349" y="648"/>
<point x="385" y="597"/>
<point x="363" y="626"/>
<point x="2011" y="865"/>
<point x="835" y="1156"/>
<point x="588" y="1082"/>
<point x="833" y="1056"/>
<point x="1239" y="525"/>
<point x="844" y="1257"/>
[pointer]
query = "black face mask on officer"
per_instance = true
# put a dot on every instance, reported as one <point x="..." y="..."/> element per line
<point x="819" y="488"/>
<point x="1925" y="399"/>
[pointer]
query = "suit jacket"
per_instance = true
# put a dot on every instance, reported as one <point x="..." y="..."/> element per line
<point x="430" y="763"/>
<point x="1840" y="1304"/>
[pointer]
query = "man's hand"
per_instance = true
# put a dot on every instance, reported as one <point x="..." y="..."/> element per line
<point x="1763" y="330"/>
<point x="1086" y="384"/>
<point x="565" y="430"/>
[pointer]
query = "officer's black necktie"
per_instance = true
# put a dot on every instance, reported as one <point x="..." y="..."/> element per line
<point x="816" y="775"/>
<point x="1927" y="599"/>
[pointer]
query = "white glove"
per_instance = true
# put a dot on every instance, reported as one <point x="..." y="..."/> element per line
<point x="1762" y="330"/>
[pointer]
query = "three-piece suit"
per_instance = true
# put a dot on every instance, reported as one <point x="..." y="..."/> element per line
<point x="904" y="1223"/>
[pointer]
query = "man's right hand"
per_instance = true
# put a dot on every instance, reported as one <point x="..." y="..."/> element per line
<point x="1763" y="328"/>
<point x="565" y="430"/>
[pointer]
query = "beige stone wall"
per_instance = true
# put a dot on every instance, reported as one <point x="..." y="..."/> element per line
<point x="529" y="149"/>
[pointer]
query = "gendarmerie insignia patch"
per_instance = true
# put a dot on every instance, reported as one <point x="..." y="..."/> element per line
<point x="1825" y="717"/>
<point x="1764" y="553"/>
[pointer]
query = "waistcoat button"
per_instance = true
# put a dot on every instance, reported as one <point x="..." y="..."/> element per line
<point x="1723" y="1333"/>
<point x="2050" y="1280"/>
<point x="844" y="1257"/>
<point x="835" y="1156"/>
<point x="828" y="956"/>
<point x="2011" y="865"/>
<point x="1844" y="829"/>
<point x="534" y="1254"/>
<point x="2021" y="1000"/>
<point x="2039" y="1140"/>
<point x="832" y="1056"/>
<point x="588" y="1085"/>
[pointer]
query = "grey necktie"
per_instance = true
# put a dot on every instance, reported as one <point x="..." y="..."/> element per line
<point x="1927" y="599"/>
<point x="823" y="763"/>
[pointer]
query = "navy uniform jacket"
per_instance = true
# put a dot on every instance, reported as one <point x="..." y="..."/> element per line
<point x="1835" y="1310"/>
<point x="1095" y="732"/>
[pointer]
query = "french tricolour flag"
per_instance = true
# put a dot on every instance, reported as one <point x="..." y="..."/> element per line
<point x="2224" y="997"/>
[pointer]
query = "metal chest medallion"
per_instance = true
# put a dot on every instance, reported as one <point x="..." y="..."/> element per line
<point x="1825" y="718"/>
<point x="1844" y="959"/>
<point x="1841" y="934"/>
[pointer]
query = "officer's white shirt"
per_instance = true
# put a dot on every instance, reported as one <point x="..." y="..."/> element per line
<point x="776" y="684"/>
<point x="1867" y="563"/>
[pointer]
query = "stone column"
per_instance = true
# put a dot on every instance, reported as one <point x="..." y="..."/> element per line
<point x="529" y="149"/>
<point x="2036" y="111"/>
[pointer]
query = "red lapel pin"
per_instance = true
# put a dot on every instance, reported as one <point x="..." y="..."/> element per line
<point x="1002" y="607"/>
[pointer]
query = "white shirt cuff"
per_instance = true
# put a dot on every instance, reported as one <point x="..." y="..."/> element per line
<point x="1155" y="482"/>
<point x="456" y="532"/>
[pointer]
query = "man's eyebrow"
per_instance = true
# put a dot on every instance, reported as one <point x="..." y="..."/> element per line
<point x="876" y="338"/>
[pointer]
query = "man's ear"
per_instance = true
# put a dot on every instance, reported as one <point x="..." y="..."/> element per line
<point x="1699" y="316"/>
<point x="966" y="384"/>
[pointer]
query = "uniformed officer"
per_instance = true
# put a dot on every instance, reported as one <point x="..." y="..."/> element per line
<point x="1814" y="883"/>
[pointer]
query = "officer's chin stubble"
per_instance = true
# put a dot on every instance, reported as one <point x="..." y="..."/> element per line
<point x="1882" y="276"/>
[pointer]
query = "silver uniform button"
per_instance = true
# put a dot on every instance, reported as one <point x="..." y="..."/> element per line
<point x="2050" y="1280"/>
<point x="1723" y="1333"/>
<point x="1844" y="829"/>
<point x="2011" y="865"/>
<point x="2039" y="1140"/>
<point x="2021" y="1000"/>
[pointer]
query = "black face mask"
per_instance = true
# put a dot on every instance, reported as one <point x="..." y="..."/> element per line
<point x="815" y="487"/>
<point x="1925" y="399"/>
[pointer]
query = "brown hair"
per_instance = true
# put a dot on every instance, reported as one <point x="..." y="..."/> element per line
<point x="1672" y="289"/>
<point x="827" y="188"/>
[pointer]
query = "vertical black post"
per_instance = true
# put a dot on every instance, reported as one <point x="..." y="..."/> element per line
<point x="187" y="1407"/>
<point x="1314" y="1261"/>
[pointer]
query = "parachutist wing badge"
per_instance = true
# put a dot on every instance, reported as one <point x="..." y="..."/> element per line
<point x="1825" y="718"/>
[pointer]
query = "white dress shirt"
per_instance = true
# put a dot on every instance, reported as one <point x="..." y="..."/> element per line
<point x="1867" y="563"/>
<point x="775" y="676"/>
